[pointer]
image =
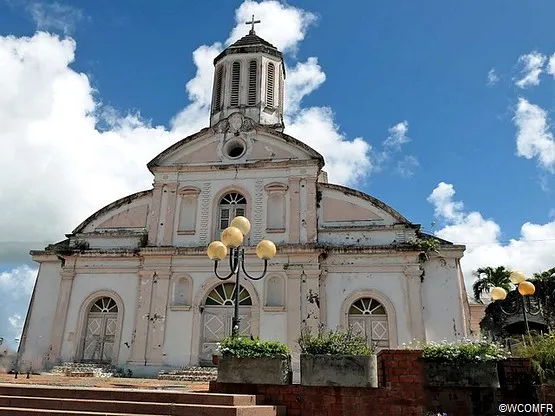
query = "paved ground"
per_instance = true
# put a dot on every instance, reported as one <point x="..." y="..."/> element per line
<point x="143" y="383"/>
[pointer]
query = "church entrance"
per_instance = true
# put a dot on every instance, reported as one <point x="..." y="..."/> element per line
<point x="368" y="317"/>
<point x="217" y="316"/>
<point x="100" y="331"/>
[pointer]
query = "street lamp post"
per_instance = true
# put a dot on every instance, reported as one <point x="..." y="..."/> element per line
<point x="232" y="239"/>
<point x="525" y="289"/>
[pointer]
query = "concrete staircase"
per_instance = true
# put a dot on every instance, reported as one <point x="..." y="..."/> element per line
<point x="87" y="370"/>
<point x="20" y="400"/>
<point x="190" y="374"/>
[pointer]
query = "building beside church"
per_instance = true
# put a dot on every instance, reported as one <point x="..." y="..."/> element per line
<point x="132" y="284"/>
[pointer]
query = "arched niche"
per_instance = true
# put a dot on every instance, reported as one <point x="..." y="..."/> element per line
<point x="274" y="293"/>
<point x="275" y="207"/>
<point x="188" y="203"/>
<point x="181" y="293"/>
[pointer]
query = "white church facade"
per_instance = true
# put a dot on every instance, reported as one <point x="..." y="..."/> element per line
<point x="132" y="285"/>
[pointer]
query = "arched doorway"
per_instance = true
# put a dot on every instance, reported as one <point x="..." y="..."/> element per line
<point x="368" y="317"/>
<point x="217" y="315"/>
<point x="101" y="326"/>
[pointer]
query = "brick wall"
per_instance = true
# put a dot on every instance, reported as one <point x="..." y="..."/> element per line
<point x="401" y="392"/>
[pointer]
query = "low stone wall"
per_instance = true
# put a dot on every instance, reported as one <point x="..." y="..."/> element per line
<point x="402" y="392"/>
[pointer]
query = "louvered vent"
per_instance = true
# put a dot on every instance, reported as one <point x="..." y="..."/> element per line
<point x="235" y="78"/>
<point x="400" y="236"/>
<point x="252" y="83"/>
<point x="218" y="89"/>
<point x="270" y="85"/>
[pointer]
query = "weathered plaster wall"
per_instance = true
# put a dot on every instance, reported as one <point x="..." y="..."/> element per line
<point x="443" y="306"/>
<point x="370" y="274"/>
<point x="251" y="184"/>
<point x="41" y="320"/>
<point x="85" y="284"/>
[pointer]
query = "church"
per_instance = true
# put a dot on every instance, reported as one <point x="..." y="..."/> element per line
<point x="133" y="286"/>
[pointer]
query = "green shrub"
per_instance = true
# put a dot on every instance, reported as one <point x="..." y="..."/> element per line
<point x="466" y="351"/>
<point x="540" y="349"/>
<point x="329" y="342"/>
<point x="242" y="347"/>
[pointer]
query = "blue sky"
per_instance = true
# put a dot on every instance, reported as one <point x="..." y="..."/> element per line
<point x="384" y="62"/>
<point x="419" y="67"/>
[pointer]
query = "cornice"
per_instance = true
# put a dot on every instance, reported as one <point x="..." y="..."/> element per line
<point x="447" y="251"/>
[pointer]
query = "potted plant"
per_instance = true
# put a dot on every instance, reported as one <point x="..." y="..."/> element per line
<point x="252" y="361"/>
<point x="337" y="358"/>
<point x="468" y="363"/>
<point x="540" y="349"/>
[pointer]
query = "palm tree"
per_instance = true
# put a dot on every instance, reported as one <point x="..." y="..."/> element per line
<point x="548" y="274"/>
<point x="488" y="278"/>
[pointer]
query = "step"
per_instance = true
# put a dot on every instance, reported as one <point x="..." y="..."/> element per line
<point x="132" y="407"/>
<point x="18" y="411"/>
<point x="136" y="395"/>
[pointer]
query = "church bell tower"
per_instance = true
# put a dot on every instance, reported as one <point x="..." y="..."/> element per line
<point x="249" y="78"/>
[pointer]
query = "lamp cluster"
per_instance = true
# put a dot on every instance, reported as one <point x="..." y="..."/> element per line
<point x="525" y="288"/>
<point x="232" y="237"/>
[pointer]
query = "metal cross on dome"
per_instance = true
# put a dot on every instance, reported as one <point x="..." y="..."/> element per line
<point x="252" y="22"/>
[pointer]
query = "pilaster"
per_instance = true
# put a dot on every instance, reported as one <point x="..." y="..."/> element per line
<point x="311" y="221"/>
<point x="323" y="297"/>
<point x="154" y="217"/>
<point x="169" y="216"/>
<point x="294" y="302"/>
<point x="310" y="306"/>
<point x="67" y="275"/>
<point x="414" y="297"/>
<point x="144" y="296"/>
<point x="157" y="318"/>
<point x="294" y="210"/>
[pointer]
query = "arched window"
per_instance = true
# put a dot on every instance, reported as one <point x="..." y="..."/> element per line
<point x="235" y="82"/>
<point x="101" y="326"/>
<point x="105" y="305"/>
<point x="368" y="317"/>
<point x="252" y="83"/>
<point x="217" y="105"/>
<point x="232" y="205"/>
<point x="270" y="85"/>
<point x="224" y="295"/>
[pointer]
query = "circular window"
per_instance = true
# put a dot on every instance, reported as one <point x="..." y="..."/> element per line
<point x="234" y="149"/>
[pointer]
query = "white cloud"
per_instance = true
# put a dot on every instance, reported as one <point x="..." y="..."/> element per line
<point x="16" y="287"/>
<point x="533" y="63"/>
<point x="397" y="135"/>
<point x="391" y="146"/>
<point x="283" y="25"/>
<point x="551" y="65"/>
<point x="302" y="79"/>
<point x="66" y="155"/>
<point x="531" y="253"/>
<point x="407" y="167"/>
<point x="493" y="78"/>
<point x="55" y="16"/>
<point x="534" y="139"/>
<point x="346" y="161"/>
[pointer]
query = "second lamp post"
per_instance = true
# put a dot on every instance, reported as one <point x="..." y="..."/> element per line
<point x="526" y="289"/>
<point x="232" y="239"/>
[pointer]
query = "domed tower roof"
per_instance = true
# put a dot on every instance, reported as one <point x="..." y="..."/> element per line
<point x="250" y="43"/>
<point x="249" y="78"/>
